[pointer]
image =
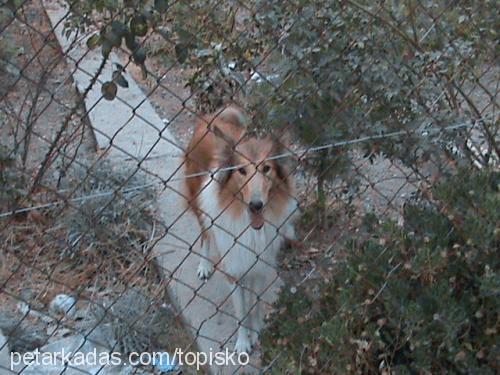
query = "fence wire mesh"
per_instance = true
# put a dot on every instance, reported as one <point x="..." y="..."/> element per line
<point x="313" y="184"/>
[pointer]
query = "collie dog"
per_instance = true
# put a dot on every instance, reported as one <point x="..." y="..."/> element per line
<point x="245" y="209"/>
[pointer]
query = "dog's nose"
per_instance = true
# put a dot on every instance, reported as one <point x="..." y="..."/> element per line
<point x="256" y="206"/>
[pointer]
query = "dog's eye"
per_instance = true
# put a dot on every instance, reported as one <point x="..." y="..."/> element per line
<point x="266" y="169"/>
<point x="242" y="171"/>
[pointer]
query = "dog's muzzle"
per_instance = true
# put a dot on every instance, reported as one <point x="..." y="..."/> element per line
<point x="256" y="215"/>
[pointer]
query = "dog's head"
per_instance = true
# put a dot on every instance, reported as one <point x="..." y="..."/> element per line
<point x="250" y="174"/>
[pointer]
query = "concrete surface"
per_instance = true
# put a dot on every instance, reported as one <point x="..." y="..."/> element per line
<point x="4" y="356"/>
<point x="130" y="125"/>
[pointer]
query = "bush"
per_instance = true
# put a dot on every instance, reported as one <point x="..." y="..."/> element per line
<point x="11" y="183"/>
<point x="422" y="298"/>
<point x="335" y="70"/>
<point x="117" y="220"/>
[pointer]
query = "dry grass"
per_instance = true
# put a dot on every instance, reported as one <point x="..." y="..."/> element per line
<point x="99" y="252"/>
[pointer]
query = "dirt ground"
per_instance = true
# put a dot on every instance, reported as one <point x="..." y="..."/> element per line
<point x="38" y="97"/>
<point x="45" y="137"/>
<point x="39" y="100"/>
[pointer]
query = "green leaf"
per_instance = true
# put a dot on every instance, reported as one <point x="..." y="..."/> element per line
<point x="108" y="90"/>
<point x="119" y="79"/>
<point x="119" y="28"/>
<point x="130" y="41"/>
<point x="161" y="5"/>
<point x="106" y="48"/>
<point x="139" y="25"/>
<point x="110" y="4"/>
<point x="113" y="38"/>
<point x="184" y="35"/>
<point x="94" y="41"/>
<point x="139" y="55"/>
<point x="182" y="52"/>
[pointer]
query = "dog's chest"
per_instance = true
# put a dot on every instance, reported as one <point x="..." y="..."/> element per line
<point x="241" y="247"/>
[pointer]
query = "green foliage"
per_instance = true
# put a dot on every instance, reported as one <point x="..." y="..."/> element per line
<point x="350" y="71"/>
<point x="422" y="298"/>
<point x="11" y="182"/>
<point x="344" y="69"/>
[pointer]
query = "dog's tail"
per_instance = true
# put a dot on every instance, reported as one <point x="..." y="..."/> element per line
<point x="233" y="115"/>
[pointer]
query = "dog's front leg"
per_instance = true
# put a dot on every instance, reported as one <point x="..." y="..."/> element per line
<point x="243" y="341"/>
<point x="253" y="303"/>
<point x="205" y="267"/>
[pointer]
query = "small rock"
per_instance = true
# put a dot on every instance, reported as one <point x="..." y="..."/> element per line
<point x="24" y="334"/>
<point x="165" y="364"/>
<point x="63" y="303"/>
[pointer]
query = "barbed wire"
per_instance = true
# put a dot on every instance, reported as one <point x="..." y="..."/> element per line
<point x="424" y="133"/>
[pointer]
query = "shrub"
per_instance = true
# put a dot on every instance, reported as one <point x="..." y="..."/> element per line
<point x="11" y="183"/>
<point x="117" y="220"/>
<point x="421" y="298"/>
<point x="335" y="70"/>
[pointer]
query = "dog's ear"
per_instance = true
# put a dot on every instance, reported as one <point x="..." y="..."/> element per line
<point x="284" y="158"/>
<point x="222" y="136"/>
<point x="226" y="145"/>
<point x="284" y="140"/>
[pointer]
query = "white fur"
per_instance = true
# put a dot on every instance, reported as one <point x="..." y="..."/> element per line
<point x="246" y="255"/>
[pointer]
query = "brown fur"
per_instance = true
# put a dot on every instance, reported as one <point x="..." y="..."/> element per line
<point x="219" y="142"/>
<point x="201" y="156"/>
<point x="246" y="182"/>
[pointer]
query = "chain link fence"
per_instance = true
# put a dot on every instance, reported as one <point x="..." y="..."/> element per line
<point x="311" y="183"/>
